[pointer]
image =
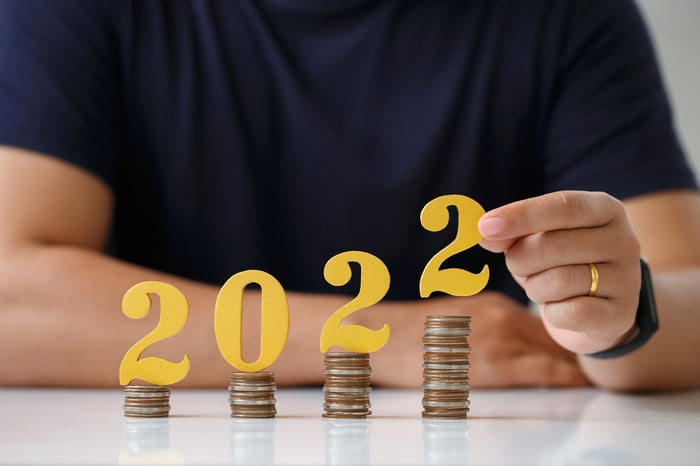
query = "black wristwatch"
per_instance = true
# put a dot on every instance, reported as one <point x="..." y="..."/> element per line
<point x="646" y="321"/>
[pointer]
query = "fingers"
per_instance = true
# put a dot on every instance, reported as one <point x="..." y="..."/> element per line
<point x="531" y="334"/>
<point x="561" y="210"/>
<point x="549" y="242"/>
<point x="538" y="252"/>
<point x="560" y="283"/>
<point x="585" y="314"/>
<point x="585" y="343"/>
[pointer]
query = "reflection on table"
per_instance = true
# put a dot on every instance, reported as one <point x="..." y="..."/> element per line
<point x="541" y="426"/>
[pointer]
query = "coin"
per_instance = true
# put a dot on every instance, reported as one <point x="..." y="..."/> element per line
<point x="446" y="354"/>
<point x="252" y="395"/>
<point x="146" y="400"/>
<point x="347" y="385"/>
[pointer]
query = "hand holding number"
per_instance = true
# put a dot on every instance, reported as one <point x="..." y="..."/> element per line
<point x="550" y="240"/>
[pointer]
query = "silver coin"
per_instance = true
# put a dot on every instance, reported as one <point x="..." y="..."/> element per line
<point x="443" y="366"/>
<point x="345" y="407"/>
<point x="237" y="388"/>
<point x="146" y="409"/>
<point x="238" y="401"/>
<point x="446" y="386"/>
<point x="447" y="349"/>
<point x="347" y="390"/>
<point x="453" y="332"/>
<point x="446" y="404"/>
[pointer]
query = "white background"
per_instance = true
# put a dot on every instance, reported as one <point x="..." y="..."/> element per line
<point x="674" y="25"/>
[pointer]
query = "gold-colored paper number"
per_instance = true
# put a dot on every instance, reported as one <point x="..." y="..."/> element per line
<point x="174" y="311"/>
<point x="374" y="284"/>
<point x="228" y="320"/>
<point x="434" y="217"/>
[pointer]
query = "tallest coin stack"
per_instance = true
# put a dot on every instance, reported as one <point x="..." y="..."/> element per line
<point x="446" y="367"/>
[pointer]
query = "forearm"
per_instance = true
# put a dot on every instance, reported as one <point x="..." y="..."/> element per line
<point x="669" y="360"/>
<point x="63" y="324"/>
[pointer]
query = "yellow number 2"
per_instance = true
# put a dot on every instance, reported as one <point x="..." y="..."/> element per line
<point x="435" y="216"/>
<point x="374" y="283"/>
<point x="174" y="311"/>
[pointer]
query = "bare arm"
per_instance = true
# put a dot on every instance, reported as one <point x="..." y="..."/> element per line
<point x="668" y="226"/>
<point x="549" y="241"/>
<point x="60" y="297"/>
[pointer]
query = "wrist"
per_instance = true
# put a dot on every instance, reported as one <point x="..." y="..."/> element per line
<point x="646" y="321"/>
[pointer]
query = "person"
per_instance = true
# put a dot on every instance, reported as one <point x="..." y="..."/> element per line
<point x="185" y="142"/>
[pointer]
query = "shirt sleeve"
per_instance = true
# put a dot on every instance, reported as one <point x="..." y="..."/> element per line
<point x="59" y="82"/>
<point x="610" y="125"/>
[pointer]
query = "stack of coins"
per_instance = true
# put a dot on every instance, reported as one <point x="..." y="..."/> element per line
<point x="252" y="394"/>
<point x="446" y="367"/>
<point x="346" y="388"/>
<point x="146" y="401"/>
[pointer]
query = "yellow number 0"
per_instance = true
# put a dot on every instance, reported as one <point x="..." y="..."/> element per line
<point x="435" y="216"/>
<point x="228" y="320"/>
<point x="374" y="283"/>
<point x="174" y="311"/>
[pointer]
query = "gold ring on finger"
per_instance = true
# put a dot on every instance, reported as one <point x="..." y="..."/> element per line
<point x="594" y="279"/>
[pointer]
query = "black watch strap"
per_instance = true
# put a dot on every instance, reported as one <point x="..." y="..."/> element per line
<point x="647" y="321"/>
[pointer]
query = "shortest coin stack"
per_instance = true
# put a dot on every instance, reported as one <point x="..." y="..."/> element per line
<point x="146" y="401"/>
<point x="446" y="367"/>
<point x="252" y="395"/>
<point x="346" y="388"/>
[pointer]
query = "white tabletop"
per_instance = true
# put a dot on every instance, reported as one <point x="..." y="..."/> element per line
<point x="541" y="426"/>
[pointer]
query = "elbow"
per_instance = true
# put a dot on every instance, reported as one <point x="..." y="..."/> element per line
<point x="623" y="376"/>
<point x="618" y="384"/>
<point x="10" y="273"/>
<point x="638" y="383"/>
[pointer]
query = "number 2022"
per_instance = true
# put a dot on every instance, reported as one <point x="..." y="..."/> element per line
<point x="228" y="314"/>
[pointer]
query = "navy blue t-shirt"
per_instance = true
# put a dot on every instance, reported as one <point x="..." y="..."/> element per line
<point x="274" y="134"/>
